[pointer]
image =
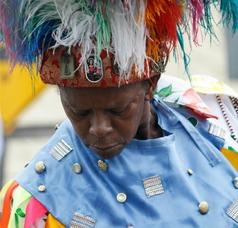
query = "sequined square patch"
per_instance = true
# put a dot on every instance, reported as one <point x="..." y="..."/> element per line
<point x="217" y="131"/>
<point x="153" y="186"/>
<point x="60" y="150"/>
<point x="82" y="221"/>
<point x="232" y="211"/>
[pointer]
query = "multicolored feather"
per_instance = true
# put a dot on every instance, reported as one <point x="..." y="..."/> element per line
<point x="133" y="30"/>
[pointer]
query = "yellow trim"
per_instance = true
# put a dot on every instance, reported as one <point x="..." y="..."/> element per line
<point x="53" y="223"/>
<point x="231" y="156"/>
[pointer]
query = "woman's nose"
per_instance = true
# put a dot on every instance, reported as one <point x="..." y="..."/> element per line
<point x="100" y="124"/>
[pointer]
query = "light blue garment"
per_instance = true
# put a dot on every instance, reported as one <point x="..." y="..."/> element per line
<point x="93" y="192"/>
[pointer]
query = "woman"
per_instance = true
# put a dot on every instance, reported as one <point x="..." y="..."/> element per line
<point x="123" y="158"/>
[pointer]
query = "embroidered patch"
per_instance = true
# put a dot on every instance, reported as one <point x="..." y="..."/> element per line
<point x="153" y="186"/>
<point x="60" y="150"/>
<point x="82" y="221"/>
<point x="232" y="211"/>
<point x="94" y="69"/>
<point x="67" y="66"/>
<point x="217" y="131"/>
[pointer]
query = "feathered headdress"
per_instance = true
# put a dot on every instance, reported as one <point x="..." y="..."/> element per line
<point x="131" y="37"/>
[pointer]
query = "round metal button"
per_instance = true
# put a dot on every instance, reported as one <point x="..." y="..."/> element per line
<point x="235" y="182"/>
<point x="40" y="167"/>
<point x="121" y="197"/>
<point x="203" y="207"/>
<point x="130" y="226"/>
<point x="57" y="127"/>
<point x="41" y="188"/>
<point x="190" y="172"/>
<point x="102" y="165"/>
<point x="77" y="168"/>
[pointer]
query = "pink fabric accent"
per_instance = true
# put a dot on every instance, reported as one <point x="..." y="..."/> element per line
<point x="34" y="211"/>
<point x="192" y="100"/>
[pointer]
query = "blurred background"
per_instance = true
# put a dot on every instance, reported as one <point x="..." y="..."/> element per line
<point x="30" y="111"/>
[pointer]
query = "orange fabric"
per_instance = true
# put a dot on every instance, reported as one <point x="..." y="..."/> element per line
<point x="231" y="156"/>
<point x="53" y="223"/>
<point x="6" y="210"/>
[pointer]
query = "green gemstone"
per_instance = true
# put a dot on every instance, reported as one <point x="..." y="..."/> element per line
<point x="193" y="121"/>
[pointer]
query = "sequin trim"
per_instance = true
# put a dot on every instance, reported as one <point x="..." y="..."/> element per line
<point x="60" y="150"/>
<point x="153" y="186"/>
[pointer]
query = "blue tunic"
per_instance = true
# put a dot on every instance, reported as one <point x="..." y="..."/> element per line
<point x="152" y="175"/>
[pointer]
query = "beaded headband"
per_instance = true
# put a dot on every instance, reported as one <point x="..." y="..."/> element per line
<point x="104" y="43"/>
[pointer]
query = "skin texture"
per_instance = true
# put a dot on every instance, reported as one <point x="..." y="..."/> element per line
<point x="108" y="119"/>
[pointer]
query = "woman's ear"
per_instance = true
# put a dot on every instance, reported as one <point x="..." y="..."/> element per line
<point x="151" y="83"/>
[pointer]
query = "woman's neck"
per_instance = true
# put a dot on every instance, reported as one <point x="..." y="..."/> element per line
<point x="150" y="128"/>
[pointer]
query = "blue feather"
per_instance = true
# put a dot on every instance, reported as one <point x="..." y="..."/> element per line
<point x="229" y="9"/>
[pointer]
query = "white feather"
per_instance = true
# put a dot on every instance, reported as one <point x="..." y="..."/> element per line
<point x="128" y="36"/>
<point x="78" y="28"/>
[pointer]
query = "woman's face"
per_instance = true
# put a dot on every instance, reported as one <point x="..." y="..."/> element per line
<point x="106" y="119"/>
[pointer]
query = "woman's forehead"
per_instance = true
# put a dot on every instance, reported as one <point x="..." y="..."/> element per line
<point x="84" y="98"/>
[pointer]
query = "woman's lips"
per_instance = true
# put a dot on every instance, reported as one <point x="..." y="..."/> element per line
<point x="107" y="151"/>
<point x="105" y="147"/>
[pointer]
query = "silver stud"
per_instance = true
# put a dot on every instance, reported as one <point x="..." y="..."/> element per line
<point x="121" y="197"/>
<point x="57" y="127"/>
<point x="235" y="182"/>
<point x="41" y="188"/>
<point x="203" y="207"/>
<point x="130" y="226"/>
<point x="40" y="167"/>
<point x="102" y="165"/>
<point x="190" y="172"/>
<point x="77" y="168"/>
